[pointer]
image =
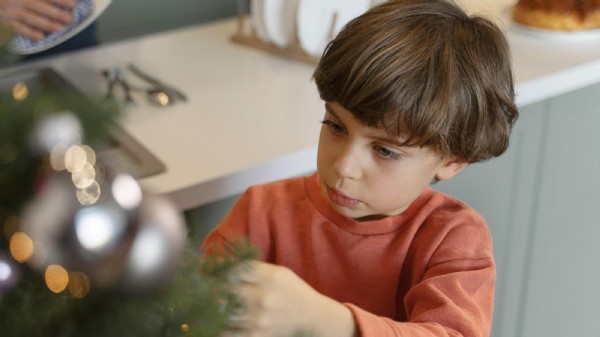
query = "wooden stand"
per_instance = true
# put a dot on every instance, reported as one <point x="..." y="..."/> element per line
<point x="247" y="37"/>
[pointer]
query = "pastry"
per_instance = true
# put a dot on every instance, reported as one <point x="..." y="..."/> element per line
<point x="570" y="15"/>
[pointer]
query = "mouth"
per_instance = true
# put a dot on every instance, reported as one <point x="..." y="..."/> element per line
<point x="340" y="198"/>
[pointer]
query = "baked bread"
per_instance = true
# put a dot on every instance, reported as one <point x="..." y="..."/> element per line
<point x="570" y="15"/>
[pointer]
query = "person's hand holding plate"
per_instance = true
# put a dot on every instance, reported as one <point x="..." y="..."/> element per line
<point x="80" y="14"/>
<point x="35" y="19"/>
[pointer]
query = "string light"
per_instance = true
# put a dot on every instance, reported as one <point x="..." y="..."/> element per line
<point x="90" y="154"/>
<point x="21" y="247"/>
<point x="57" y="278"/>
<point x="57" y="157"/>
<point x="126" y="191"/>
<point x="84" y="177"/>
<point x="5" y="271"/>
<point x="20" y="91"/>
<point x="89" y="195"/>
<point x="79" y="284"/>
<point x="75" y="158"/>
<point x="163" y="99"/>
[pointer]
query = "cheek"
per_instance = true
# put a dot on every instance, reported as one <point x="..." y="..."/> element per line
<point x="398" y="186"/>
<point x="323" y="153"/>
<point x="326" y="148"/>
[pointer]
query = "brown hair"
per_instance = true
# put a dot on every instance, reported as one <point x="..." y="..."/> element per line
<point x="426" y="71"/>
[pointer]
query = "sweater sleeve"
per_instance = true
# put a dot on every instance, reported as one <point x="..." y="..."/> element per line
<point x="451" y="303"/>
<point x="453" y="295"/>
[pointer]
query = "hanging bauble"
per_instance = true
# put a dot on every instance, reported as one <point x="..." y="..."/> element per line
<point x="83" y="229"/>
<point x="47" y="217"/>
<point x="98" y="222"/>
<point x="157" y="248"/>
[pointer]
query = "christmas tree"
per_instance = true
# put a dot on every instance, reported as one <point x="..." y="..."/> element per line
<point x="83" y="250"/>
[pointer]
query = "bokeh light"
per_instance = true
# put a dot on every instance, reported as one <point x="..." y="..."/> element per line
<point x="9" y="273"/>
<point x="89" y="195"/>
<point x="126" y="191"/>
<point x="90" y="154"/>
<point x="57" y="278"/>
<point x="5" y="271"/>
<point x="96" y="228"/>
<point x="21" y="247"/>
<point x="163" y="99"/>
<point x="79" y="284"/>
<point x="84" y="177"/>
<point x="20" y="91"/>
<point x="60" y="129"/>
<point x="75" y="158"/>
<point x="57" y="157"/>
<point x="149" y="252"/>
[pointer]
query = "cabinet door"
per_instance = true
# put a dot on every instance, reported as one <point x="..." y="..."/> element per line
<point x="502" y="190"/>
<point x="133" y="18"/>
<point x="561" y="296"/>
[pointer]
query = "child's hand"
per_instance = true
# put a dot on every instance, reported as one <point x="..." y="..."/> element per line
<point x="36" y="18"/>
<point x="279" y="303"/>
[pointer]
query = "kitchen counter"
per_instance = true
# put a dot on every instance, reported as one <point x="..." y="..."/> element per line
<point x="252" y="117"/>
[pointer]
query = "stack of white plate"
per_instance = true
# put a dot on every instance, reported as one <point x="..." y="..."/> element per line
<point x="277" y="21"/>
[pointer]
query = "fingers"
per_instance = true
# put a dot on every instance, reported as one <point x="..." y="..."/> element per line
<point x="31" y="21"/>
<point x="248" y="323"/>
<point x="65" y="3"/>
<point x="253" y="315"/>
<point x="36" y="18"/>
<point x="26" y="30"/>
<point x="41" y="12"/>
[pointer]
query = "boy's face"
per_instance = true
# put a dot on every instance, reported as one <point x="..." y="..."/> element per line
<point x="365" y="174"/>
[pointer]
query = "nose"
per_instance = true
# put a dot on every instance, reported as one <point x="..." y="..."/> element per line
<point x="347" y="163"/>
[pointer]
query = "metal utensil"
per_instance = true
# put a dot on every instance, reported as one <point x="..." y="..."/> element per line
<point x="116" y="76"/>
<point x="160" y="86"/>
<point x="111" y="80"/>
<point x="125" y="85"/>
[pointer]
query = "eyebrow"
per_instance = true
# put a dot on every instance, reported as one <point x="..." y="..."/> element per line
<point x="378" y="136"/>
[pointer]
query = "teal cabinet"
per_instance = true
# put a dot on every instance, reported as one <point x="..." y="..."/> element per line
<point x="561" y="293"/>
<point x="125" y="19"/>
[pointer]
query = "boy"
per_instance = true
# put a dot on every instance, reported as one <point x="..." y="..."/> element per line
<point x="414" y="91"/>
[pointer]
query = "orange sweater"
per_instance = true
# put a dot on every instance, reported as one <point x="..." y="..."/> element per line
<point x="426" y="272"/>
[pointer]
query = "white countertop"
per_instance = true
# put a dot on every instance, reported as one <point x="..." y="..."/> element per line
<point x="252" y="117"/>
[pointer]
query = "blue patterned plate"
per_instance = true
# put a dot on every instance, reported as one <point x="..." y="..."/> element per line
<point x="86" y="12"/>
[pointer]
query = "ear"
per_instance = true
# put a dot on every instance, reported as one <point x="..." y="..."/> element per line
<point x="450" y="168"/>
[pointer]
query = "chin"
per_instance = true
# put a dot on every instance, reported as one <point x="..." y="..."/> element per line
<point x="353" y="213"/>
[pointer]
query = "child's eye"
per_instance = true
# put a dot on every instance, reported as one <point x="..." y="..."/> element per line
<point x="386" y="153"/>
<point x="336" y="128"/>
